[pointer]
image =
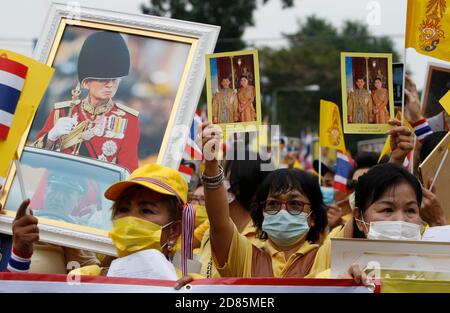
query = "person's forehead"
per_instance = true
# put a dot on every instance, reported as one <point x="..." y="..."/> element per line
<point x="199" y="191"/>
<point x="399" y="194"/>
<point x="292" y="192"/>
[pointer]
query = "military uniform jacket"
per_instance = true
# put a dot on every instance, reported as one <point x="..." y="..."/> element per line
<point x="109" y="132"/>
<point x="360" y="102"/>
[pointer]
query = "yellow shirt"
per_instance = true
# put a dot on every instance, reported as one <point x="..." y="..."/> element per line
<point x="208" y="267"/>
<point x="347" y="217"/>
<point x="322" y="261"/>
<point x="52" y="259"/>
<point x="201" y="230"/>
<point x="239" y="263"/>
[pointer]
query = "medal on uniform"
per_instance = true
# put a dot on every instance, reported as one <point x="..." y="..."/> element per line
<point x="115" y="127"/>
<point x="109" y="148"/>
<point x="99" y="127"/>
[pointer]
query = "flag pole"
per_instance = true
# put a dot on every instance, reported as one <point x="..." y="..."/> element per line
<point x="320" y="164"/>
<point x="412" y="155"/>
<point x="21" y="180"/>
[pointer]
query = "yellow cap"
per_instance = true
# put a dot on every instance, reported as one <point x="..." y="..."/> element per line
<point x="156" y="177"/>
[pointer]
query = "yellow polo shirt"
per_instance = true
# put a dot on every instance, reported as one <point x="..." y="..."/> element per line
<point x="209" y="269"/>
<point x="322" y="261"/>
<point x="239" y="263"/>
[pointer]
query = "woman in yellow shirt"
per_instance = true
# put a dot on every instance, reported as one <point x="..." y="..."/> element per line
<point x="387" y="203"/>
<point x="289" y="215"/>
<point x="242" y="180"/>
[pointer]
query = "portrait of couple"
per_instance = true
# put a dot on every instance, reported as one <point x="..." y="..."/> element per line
<point x="233" y="88"/>
<point x="367" y="92"/>
<point x="367" y="107"/>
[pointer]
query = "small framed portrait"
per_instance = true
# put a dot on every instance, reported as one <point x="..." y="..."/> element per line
<point x="124" y="93"/>
<point x="437" y="84"/>
<point x="367" y="92"/>
<point x="233" y="90"/>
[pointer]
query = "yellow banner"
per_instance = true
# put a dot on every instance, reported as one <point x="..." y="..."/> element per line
<point x="445" y="102"/>
<point x="330" y="131"/>
<point x="36" y="82"/>
<point x="397" y="285"/>
<point x="428" y="28"/>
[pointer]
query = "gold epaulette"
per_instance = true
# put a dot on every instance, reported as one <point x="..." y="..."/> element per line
<point x="63" y="104"/>
<point x="127" y="109"/>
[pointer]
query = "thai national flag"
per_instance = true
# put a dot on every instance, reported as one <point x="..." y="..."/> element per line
<point x="12" y="78"/>
<point x="192" y="151"/>
<point x="186" y="172"/>
<point x="344" y="165"/>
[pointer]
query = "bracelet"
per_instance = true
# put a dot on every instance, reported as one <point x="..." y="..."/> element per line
<point x="213" y="182"/>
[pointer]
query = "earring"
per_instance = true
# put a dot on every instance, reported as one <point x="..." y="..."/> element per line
<point x="170" y="245"/>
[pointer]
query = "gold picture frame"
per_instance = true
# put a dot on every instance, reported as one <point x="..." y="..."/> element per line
<point x="233" y="66"/>
<point x="62" y="34"/>
<point x="365" y="69"/>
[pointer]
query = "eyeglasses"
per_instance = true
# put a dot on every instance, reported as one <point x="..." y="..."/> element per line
<point x="197" y="200"/>
<point x="294" y="207"/>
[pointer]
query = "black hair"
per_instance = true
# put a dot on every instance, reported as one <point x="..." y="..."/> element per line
<point x="284" y="180"/>
<point x="429" y="143"/>
<point x="365" y="160"/>
<point x="373" y="184"/>
<point x="171" y="202"/>
<point x="245" y="177"/>
<point x="378" y="78"/>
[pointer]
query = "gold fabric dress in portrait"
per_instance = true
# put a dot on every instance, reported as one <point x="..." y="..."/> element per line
<point x="380" y="100"/>
<point x="246" y="110"/>
<point x="225" y="106"/>
<point x="359" y="107"/>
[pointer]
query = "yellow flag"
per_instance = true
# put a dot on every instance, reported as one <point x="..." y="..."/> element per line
<point x="387" y="145"/>
<point x="445" y="102"/>
<point x="428" y="28"/>
<point x="36" y="82"/>
<point x="330" y="131"/>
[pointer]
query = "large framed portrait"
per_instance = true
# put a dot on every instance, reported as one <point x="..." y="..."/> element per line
<point x="367" y="92"/>
<point x="124" y="93"/>
<point x="437" y="83"/>
<point x="233" y="90"/>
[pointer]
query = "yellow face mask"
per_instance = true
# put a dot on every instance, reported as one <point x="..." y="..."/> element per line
<point x="131" y="234"/>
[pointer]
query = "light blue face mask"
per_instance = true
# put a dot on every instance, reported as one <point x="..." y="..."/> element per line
<point x="284" y="228"/>
<point x="327" y="194"/>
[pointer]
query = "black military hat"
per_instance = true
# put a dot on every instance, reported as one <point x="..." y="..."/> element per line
<point x="104" y="55"/>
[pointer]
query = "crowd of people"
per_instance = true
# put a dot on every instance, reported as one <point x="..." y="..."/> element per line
<point x="256" y="223"/>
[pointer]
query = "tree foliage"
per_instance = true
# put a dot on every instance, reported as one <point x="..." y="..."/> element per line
<point x="232" y="16"/>
<point x="312" y="57"/>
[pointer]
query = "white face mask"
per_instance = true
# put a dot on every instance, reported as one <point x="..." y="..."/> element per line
<point x="393" y="230"/>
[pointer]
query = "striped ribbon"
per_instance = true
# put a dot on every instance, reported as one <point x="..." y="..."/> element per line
<point x="187" y="236"/>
